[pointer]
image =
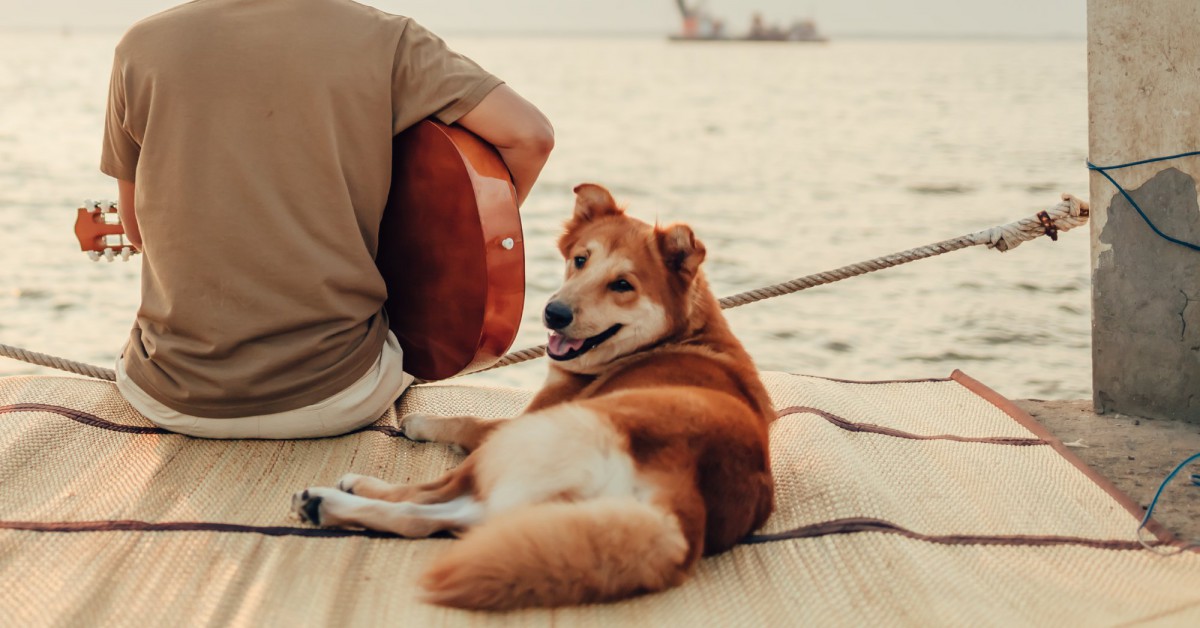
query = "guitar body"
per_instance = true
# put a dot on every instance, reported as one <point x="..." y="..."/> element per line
<point x="451" y="252"/>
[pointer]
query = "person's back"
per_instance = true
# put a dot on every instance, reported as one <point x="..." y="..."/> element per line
<point x="258" y="133"/>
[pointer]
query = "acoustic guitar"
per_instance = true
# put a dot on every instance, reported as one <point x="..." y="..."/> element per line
<point x="450" y="250"/>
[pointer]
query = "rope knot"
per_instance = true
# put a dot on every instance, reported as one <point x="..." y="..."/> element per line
<point x="1069" y="213"/>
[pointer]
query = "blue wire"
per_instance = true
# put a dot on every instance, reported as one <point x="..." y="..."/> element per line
<point x="1153" y="502"/>
<point x="1103" y="171"/>
<point x="1144" y="161"/>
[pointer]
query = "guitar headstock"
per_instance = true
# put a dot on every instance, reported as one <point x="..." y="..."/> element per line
<point x="98" y="227"/>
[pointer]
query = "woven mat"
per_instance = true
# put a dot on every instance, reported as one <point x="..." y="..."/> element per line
<point x="915" y="503"/>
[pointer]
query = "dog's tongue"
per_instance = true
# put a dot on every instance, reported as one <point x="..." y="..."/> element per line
<point x="560" y="344"/>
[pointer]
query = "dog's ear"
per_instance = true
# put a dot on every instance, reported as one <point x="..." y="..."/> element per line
<point x="680" y="249"/>
<point x="593" y="201"/>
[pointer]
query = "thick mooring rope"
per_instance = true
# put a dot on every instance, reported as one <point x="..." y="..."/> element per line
<point x="1068" y="214"/>
<point x="70" y="366"/>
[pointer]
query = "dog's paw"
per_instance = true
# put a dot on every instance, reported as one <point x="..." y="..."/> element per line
<point x="347" y="482"/>
<point x="418" y="427"/>
<point x="307" y="506"/>
<point x="313" y="505"/>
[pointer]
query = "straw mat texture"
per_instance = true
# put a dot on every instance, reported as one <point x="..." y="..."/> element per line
<point x="912" y="503"/>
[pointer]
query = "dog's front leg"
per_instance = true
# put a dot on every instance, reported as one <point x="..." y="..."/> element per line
<point x="465" y="432"/>
<point x="331" y="508"/>
<point x="454" y="483"/>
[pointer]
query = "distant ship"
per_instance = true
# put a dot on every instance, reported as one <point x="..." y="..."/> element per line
<point x="698" y="25"/>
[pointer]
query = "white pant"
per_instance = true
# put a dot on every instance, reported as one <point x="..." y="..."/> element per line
<point x="359" y="405"/>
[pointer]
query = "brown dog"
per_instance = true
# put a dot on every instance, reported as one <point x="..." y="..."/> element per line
<point x="646" y="448"/>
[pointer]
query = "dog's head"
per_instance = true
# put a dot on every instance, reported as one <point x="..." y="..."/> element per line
<point x="628" y="285"/>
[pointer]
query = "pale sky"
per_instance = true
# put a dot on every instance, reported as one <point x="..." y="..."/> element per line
<point x="851" y="17"/>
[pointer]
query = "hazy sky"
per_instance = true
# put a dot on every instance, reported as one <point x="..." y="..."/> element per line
<point x="901" y="17"/>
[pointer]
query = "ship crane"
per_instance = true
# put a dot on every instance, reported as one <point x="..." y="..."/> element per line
<point x="698" y="24"/>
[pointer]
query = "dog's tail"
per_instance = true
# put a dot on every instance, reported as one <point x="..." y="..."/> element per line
<point x="556" y="554"/>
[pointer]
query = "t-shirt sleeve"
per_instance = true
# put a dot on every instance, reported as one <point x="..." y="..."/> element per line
<point x="430" y="79"/>
<point x="119" y="155"/>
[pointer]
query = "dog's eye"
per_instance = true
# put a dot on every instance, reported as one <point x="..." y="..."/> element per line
<point x="620" y="285"/>
<point x="580" y="261"/>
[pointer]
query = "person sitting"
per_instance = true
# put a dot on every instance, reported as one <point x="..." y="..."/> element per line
<point x="252" y="142"/>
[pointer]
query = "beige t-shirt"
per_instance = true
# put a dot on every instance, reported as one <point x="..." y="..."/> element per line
<point x="259" y="135"/>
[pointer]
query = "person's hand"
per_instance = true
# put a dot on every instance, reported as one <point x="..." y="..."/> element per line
<point x="128" y="214"/>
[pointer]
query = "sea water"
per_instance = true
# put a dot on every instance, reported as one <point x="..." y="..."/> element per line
<point x="787" y="159"/>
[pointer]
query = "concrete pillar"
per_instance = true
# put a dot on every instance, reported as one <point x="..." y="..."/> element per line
<point x="1144" y="102"/>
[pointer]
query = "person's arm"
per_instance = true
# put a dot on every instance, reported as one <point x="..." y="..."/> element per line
<point x="128" y="213"/>
<point x="120" y="152"/>
<point x="518" y="130"/>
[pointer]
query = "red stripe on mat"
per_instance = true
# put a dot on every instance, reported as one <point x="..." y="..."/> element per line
<point x="92" y="420"/>
<point x="919" y="380"/>
<point x="862" y="524"/>
<point x="851" y="426"/>
<point x="185" y="526"/>
<point x="826" y="528"/>
<point x="80" y="416"/>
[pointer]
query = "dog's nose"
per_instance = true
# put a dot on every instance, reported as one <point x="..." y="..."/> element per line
<point x="557" y="315"/>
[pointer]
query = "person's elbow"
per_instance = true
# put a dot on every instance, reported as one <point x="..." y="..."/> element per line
<point x="509" y="122"/>
<point x="537" y="138"/>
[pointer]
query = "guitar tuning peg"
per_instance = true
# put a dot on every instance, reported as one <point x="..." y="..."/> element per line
<point x="112" y="204"/>
<point x="88" y="204"/>
<point x="125" y="253"/>
<point x="94" y="256"/>
<point x="109" y="255"/>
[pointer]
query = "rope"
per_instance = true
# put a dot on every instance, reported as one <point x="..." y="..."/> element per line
<point x="70" y="366"/>
<point x="1068" y="214"/>
<point x="1103" y="170"/>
